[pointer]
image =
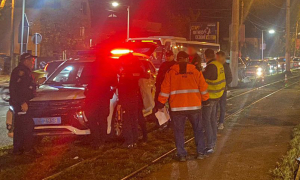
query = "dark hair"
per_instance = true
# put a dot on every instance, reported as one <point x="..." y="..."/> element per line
<point x="221" y="53"/>
<point x="209" y="53"/>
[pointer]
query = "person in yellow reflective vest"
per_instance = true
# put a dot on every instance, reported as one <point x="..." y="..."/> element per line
<point x="215" y="77"/>
<point x="186" y="89"/>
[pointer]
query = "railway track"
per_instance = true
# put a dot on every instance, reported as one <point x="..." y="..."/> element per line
<point x="133" y="174"/>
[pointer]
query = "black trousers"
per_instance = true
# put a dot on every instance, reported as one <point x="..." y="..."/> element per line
<point x="130" y="124"/>
<point x="97" y="116"/>
<point x="142" y="123"/>
<point x="23" y="133"/>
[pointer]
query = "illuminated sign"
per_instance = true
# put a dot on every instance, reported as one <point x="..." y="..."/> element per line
<point x="204" y="32"/>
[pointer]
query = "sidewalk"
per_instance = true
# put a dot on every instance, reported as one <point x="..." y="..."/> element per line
<point x="249" y="147"/>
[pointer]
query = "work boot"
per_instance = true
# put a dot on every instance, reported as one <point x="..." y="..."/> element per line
<point x="201" y="156"/>
<point x="209" y="151"/>
<point x="221" y="126"/>
<point x="182" y="158"/>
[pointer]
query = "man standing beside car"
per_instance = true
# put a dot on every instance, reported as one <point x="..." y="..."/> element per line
<point x="215" y="77"/>
<point x="130" y="99"/>
<point x="186" y="88"/>
<point x="22" y="89"/>
<point x="163" y="69"/>
<point x="97" y="102"/>
<point x="221" y="57"/>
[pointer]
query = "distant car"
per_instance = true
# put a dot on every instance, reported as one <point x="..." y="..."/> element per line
<point x="273" y="66"/>
<point x="296" y="62"/>
<point x="256" y="69"/>
<point x="241" y="67"/>
<point x="281" y="64"/>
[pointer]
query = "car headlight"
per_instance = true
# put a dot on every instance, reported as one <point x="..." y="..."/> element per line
<point x="299" y="63"/>
<point x="80" y="116"/>
<point x="259" y="73"/>
<point x="279" y="65"/>
<point x="259" y="69"/>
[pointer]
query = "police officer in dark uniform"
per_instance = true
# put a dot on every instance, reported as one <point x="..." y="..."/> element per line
<point x="22" y="89"/>
<point x="97" y="103"/>
<point x="130" y="98"/>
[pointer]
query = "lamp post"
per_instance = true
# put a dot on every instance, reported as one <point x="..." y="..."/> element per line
<point x="22" y="27"/>
<point x="271" y="31"/>
<point x="116" y="4"/>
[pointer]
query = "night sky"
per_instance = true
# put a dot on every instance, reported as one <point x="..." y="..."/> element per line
<point x="262" y="14"/>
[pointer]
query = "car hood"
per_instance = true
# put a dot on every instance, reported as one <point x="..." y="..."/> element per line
<point x="47" y="93"/>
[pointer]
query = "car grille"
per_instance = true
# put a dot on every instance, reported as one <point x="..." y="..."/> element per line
<point x="55" y="108"/>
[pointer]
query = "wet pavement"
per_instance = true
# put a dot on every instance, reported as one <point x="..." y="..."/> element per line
<point x="4" y="139"/>
<point x="251" y="143"/>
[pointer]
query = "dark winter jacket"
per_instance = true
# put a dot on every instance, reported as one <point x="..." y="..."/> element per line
<point x="196" y="61"/>
<point x="161" y="75"/>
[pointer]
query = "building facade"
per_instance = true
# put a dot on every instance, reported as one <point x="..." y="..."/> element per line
<point x="65" y="25"/>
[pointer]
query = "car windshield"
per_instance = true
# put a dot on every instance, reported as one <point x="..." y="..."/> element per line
<point x="72" y="73"/>
<point x="255" y="63"/>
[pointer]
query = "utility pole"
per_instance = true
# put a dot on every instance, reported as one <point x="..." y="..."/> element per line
<point x="287" y="31"/>
<point x="234" y="42"/>
<point x="296" y="38"/>
<point x="12" y="35"/>
<point x="242" y="12"/>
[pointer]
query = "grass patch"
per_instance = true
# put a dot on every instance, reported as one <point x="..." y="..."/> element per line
<point x="287" y="168"/>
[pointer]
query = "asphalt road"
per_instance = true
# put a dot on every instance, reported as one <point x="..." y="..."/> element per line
<point x="4" y="139"/>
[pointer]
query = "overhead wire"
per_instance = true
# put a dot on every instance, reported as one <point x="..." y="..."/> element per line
<point x="265" y="20"/>
<point x="262" y="27"/>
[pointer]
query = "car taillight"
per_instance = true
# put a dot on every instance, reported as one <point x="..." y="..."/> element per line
<point x="121" y="51"/>
<point x="45" y="68"/>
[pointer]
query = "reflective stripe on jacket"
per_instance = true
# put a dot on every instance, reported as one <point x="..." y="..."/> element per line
<point x="185" y="90"/>
<point x="216" y="87"/>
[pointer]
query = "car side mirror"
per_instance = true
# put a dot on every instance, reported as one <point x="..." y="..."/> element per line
<point x="41" y="80"/>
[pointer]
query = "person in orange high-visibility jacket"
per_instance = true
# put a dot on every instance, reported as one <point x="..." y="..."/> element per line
<point x="185" y="88"/>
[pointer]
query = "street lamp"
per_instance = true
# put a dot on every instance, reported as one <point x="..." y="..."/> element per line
<point x="116" y="4"/>
<point x="271" y="31"/>
<point x="22" y="26"/>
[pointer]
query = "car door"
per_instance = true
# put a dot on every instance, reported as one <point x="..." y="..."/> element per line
<point x="147" y="86"/>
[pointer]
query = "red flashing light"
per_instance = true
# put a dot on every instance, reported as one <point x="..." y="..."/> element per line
<point x="45" y="68"/>
<point x="121" y="51"/>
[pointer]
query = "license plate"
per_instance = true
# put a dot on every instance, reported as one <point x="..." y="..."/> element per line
<point x="47" y="120"/>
